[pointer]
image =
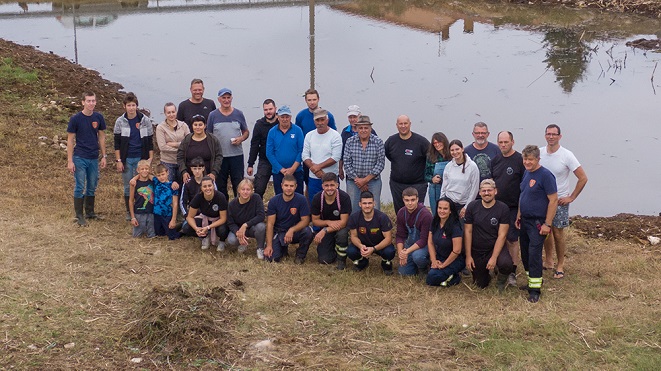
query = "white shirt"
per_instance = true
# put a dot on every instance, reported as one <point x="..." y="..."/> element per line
<point x="561" y="163"/>
<point x="320" y="147"/>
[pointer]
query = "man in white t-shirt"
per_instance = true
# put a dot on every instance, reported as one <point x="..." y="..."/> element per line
<point x="322" y="150"/>
<point x="561" y="162"/>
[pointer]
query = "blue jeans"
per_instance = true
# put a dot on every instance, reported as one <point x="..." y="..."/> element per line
<point x="354" y="192"/>
<point x="417" y="262"/>
<point x="130" y="169"/>
<point x="438" y="276"/>
<point x="173" y="171"/>
<point x="277" y="182"/>
<point x="434" y="195"/>
<point x="314" y="187"/>
<point x="232" y="167"/>
<point x="86" y="176"/>
<point x="303" y="238"/>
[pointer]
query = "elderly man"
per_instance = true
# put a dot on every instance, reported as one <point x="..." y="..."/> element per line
<point x="322" y="149"/>
<point x="364" y="160"/>
<point x="407" y="153"/>
<point x="485" y="231"/>
<point x="561" y="162"/>
<point x="353" y="113"/>
<point x="481" y="151"/>
<point x="260" y="133"/>
<point x="284" y="147"/>
<point x="195" y="105"/>
<point x="228" y="124"/>
<point x="537" y="206"/>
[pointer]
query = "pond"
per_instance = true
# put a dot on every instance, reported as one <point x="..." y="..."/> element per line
<point x="444" y="64"/>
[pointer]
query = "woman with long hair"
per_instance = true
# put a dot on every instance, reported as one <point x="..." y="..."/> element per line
<point x="445" y="246"/>
<point x="438" y="156"/>
<point x="461" y="178"/>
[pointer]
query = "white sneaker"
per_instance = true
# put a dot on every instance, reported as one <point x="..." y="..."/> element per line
<point x="221" y="246"/>
<point x="242" y="248"/>
<point x="260" y="254"/>
<point x="511" y="280"/>
<point x="205" y="243"/>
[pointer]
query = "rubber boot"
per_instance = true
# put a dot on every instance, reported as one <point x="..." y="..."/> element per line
<point x="78" y="207"/>
<point x="501" y="282"/>
<point x="89" y="209"/>
<point x="341" y="263"/>
<point x="128" y="213"/>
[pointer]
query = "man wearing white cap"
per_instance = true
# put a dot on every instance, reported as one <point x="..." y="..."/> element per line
<point x="322" y="149"/>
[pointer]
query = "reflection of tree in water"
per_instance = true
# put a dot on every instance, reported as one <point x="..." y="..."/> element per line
<point x="567" y="54"/>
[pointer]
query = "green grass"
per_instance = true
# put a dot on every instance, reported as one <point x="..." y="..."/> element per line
<point x="12" y="74"/>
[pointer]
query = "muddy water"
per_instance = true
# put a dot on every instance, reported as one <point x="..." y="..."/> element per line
<point x="445" y="69"/>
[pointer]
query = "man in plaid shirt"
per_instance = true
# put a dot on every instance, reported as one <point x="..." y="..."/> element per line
<point x="364" y="160"/>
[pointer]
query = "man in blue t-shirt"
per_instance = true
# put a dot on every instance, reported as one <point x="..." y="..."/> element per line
<point x="481" y="151"/>
<point x="86" y="128"/>
<point x="287" y="221"/>
<point x="228" y="124"/>
<point x="537" y="206"/>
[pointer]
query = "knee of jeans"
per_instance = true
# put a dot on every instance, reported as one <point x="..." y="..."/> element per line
<point x="352" y="252"/>
<point x="232" y="240"/>
<point x="259" y="228"/>
<point x="420" y="257"/>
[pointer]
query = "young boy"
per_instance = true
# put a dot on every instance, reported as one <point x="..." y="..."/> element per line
<point x="189" y="190"/>
<point x="166" y="197"/>
<point x="141" y="199"/>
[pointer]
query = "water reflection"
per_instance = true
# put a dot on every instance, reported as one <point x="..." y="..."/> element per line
<point x="567" y="54"/>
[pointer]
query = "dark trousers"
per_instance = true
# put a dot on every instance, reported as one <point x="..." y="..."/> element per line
<point x="277" y="182"/>
<point x="303" y="238"/>
<point x="232" y="167"/>
<point x="532" y="246"/>
<point x="387" y="254"/>
<point x="262" y="177"/>
<point x="396" y="189"/>
<point x="481" y="276"/>
<point x="437" y="276"/>
<point x="161" y="227"/>
<point x="326" y="250"/>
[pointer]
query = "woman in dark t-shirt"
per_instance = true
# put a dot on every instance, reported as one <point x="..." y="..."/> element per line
<point x="445" y="245"/>
<point x="207" y="215"/>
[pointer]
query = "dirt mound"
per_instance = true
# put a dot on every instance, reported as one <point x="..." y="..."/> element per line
<point x="180" y="323"/>
<point x="620" y="226"/>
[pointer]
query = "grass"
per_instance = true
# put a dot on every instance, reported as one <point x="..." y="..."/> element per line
<point x="12" y="74"/>
<point x="61" y="284"/>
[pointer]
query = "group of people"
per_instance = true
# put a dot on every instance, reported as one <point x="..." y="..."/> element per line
<point x="488" y="202"/>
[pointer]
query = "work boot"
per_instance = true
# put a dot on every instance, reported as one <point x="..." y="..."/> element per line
<point x="89" y="209"/>
<point x="128" y="213"/>
<point x="341" y="263"/>
<point x="78" y="208"/>
<point x="501" y="282"/>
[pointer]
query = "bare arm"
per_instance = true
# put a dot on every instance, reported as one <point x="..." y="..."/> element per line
<point x="468" y="240"/>
<point x="580" y="184"/>
<point x="70" y="165"/>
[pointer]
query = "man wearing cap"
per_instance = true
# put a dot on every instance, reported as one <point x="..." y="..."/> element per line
<point x="353" y="113"/>
<point x="537" y="206"/>
<point x="284" y="147"/>
<point x="258" y="147"/>
<point x="481" y="151"/>
<point x="485" y="232"/>
<point x="229" y="125"/>
<point x="407" y="153"/>
<point x="364" y="160"/>
<point x="195" y="105"/>
<point x="561" y="162"/>
<point x="322" y="149"/>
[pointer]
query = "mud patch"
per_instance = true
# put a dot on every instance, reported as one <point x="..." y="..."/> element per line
<point x="621" y="226"/>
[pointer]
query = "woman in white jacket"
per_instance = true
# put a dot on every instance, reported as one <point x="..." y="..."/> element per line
<point x="461" y="178"/>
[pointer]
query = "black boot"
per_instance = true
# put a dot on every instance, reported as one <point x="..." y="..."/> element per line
<point x="89" y="209"/>
<point x="128" y="213"/>
<point x="341" y="263"/>
<point x="78" y="207"/>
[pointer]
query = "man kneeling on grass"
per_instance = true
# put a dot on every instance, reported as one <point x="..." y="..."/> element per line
<point x="413" y="222"/>
<point x="287" y="221"/>
<point x="330" y="211"/>
<point x="485" y="232"/>
<point x="371" y="233"/>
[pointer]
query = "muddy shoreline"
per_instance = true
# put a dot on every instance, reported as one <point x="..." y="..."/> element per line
<point x="650" y="8"/>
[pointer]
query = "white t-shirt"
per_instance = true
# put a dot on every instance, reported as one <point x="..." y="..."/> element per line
<point x="562" y="163"/>
<point x="320" y="147"/>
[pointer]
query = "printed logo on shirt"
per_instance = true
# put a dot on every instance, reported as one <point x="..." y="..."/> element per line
<point x="293" y="210"/>
<point x="336" y="212"/>
<point x="137" y="125"/>
<point x="408" y="152"/>
<point x="95" y="124"/>
<point x="362" y="230"/>
<point x="494" y="221"/>
<point x="509" y="170"/>
<point x="214" y="207"/>
<point x="532" y="183"/>
<point x="292" y="136"/>
<point x="375" y="230"/>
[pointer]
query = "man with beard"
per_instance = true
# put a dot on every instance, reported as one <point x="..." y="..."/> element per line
<point x="322" y="149"/>
<point x="481" y="151"/>
<point x="330" y="210"/>
<point x="260" y="133"/>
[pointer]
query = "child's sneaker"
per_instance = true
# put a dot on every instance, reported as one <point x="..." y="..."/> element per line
<point x="205" y="243"/>
<point x="221" y="246"/>
<point x="260" y="254"/>
<point x="242" y="248"/>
